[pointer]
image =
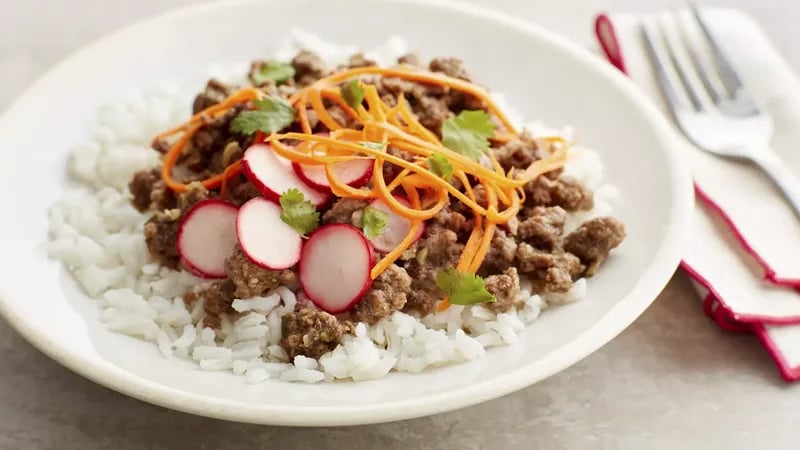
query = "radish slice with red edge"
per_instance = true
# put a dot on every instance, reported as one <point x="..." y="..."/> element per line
<point x="354" y="173"/>
<point x="397" y="227"/>
<point x="266" y="239"/>
<point x="206" y="237"/>
<point x="273" y="175"/>
<point x="334" y="267"/>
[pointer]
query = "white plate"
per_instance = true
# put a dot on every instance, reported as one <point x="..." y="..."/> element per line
<point x="546" y="78"/>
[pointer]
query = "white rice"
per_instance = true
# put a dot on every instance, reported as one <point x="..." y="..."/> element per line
<point x="98" y="235"/>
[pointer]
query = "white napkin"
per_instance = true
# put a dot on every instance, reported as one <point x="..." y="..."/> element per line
<point x="745" y="243"/>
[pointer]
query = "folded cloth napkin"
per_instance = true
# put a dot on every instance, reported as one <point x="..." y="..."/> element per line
<point x="744" y="250"/>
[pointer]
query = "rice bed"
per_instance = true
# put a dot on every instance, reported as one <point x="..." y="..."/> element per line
<point x="99" y="236"/>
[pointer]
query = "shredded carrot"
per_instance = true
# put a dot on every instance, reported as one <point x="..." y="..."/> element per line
<point x="391" y="257"/>
<point x="240" y="96"/>
<point x="391" y="126"/>
<point x="230" y="172"/>
<point x="302" y="114"/>
<point x="322" y="112"/>
<point x="418" y="76"/>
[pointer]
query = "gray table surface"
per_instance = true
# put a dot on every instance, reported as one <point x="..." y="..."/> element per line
<point x="672" y="380"/>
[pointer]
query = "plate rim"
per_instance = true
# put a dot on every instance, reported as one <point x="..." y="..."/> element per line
<point x="616" y="320"/>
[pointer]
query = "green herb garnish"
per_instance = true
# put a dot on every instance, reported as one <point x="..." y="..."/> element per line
<point x="438" y="164"/>
<point x="272" y="114"/>
<point x="353" y="93"/>
<point x="373" y="145"/>
<point x="463" y="288"/>
<point x="373" y="221"/>
<point x="468" y="133"/>
<point x="298" y="212"/>
<point x="276" y="71"/>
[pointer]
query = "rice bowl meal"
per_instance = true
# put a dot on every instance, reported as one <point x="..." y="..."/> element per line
<point x="330" y="214"/>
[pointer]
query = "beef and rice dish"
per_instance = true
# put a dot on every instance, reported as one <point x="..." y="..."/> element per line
<point x="362" y="192"/>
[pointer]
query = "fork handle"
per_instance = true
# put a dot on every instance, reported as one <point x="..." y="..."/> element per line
<point x="783" y="177"/>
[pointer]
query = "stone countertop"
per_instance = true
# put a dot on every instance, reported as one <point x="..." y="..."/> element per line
<point x="671" y="381"/>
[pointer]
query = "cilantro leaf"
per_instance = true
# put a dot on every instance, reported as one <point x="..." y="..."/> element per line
<point x="463" y="288"/>
<point x="438" y="164"/>
<point x="373" y="145"/>
<point x="353" y="93"/>
<point x="374" y="222"/>
<point x="298" y="212"/>
<point x="276" y="71"/>
<point x="271" y="115"/>
<point x="468" y="133"/>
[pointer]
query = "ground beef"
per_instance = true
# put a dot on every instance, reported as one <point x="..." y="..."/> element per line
<point x="231" y="153"/>
<point x="453" y="220"/>
<point x="214" y="92"/>
<point x="422" y="301"/>
<point x="432" y="112"/>
<point x="544" y="226"/>
<point x="441" y="247"/>
<point x="565" y="192"/>
<point x="452" y="67"/>
<point x="217" y="297"/>
<point x="390" y="170"/>
<point x="549" y="272"/>
<point x="530" y="259"/>
<point x="456" y="100"/>
<point x="161" y="236"/>
<point x="249" y="279"/>
<point x="518" y="153"/>
<point x="195" y="193"/>
<point x="212" y="138"/>
<point x="239" y="190"/>
<point x="289" y="278"/>
<point x="311" y="115"/>
<point x="217" y="300"/>
<point x="505" y="289"/>
<point x="341" y="117"/>
<point x="501" y="254"/>
<point x="438" y="249"/>
<point x="149" y="191"/>
<point x="480" y="195"/>
<point x="359" y="60"/>
<point x="593" y="240"/>
<point x="345" y="210"/>
<point x="161" y="145"/>
<point x="394" y="87"/>
<point x="310" y="332"/>
<point x="308" y="68"/>
<point x="387" y="295"/>
<point x="559" y="277"/>
<point x="411" y="59"/>
<point x="427" y="101"/>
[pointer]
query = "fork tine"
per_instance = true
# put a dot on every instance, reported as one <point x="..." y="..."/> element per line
<point x="701" y="66"/>
<point x="673" y="51"/>
<point x="661" y="67"/>
<point x="725" y="70"/>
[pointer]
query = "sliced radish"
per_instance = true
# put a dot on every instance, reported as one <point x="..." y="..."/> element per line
<point x="206" y="237"/>
<point x="397" y="227"/>
<point x="335" y="266"/>
<point x="354" y="173"/>
<point x="273" y="175"/>
<point x="264" y="237"/>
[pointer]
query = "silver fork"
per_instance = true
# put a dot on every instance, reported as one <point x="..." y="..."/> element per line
<point x="729" y="123"/>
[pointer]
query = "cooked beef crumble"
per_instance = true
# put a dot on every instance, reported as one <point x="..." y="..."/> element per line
<point x="593" y="241"/>
<point x="387" y="295"/>
<point x="217" y="297"/>
<point x="310" y="332"/>
<point x="531" y="245"/>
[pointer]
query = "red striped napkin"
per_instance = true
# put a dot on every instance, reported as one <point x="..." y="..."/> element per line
<point x="744" y="252"/>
